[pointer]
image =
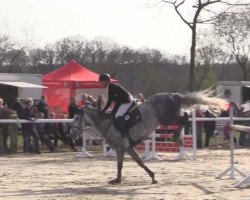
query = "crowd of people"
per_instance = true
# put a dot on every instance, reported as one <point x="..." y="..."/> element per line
<point x="48" y="134"/>
<point x="210" y="127"/>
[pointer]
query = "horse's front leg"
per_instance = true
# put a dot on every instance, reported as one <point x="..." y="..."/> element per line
<point x="131" y="151"/>
<point x="119" y="157"/>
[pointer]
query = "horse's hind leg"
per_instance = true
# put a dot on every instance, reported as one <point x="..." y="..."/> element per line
<point x="131" y="151"/>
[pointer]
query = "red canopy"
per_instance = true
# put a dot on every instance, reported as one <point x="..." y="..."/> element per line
<point x="72" y="75"/>
<point x="63" y="82"/>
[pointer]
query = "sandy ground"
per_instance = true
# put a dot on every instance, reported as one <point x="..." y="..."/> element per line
<point x="62" y="176"/>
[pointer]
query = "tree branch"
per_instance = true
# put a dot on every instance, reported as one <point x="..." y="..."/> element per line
<point x="176" y="7"/>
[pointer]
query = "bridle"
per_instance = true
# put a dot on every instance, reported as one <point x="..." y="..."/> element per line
<point x="79" y="128"/>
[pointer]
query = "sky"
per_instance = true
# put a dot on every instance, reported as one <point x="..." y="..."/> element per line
<point x="127" y="22"/>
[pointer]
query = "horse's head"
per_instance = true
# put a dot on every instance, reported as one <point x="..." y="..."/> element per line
<point x="86" y="119"/>
<point x="83" y="120"/>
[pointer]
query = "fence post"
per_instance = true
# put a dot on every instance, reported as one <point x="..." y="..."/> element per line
<point x="1" y="140"/>
<point x="13" y="131"/>
<point x="194" y="133"/>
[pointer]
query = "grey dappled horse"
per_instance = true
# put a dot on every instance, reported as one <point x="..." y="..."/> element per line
<point x="159" y="108"/>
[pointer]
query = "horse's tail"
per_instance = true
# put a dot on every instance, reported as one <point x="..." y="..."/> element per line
<point x="215" y="104"/>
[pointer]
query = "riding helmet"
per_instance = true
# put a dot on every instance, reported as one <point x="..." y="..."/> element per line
<point x="104" y="77"/>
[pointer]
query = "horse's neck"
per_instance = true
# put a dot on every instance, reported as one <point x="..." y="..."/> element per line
<point x="101" y="125"/>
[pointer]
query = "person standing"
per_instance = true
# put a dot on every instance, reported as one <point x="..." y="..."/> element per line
<point x="51" y="129"/>
<point x="100" y="101"/>
<point x="199" y="124"/>
<point x="72" y="108"/>
<point x="209" y="127"/>
<point x="84" y="101"/>
<point x="42" y="135"/>
<point x="42" y="106"/>
<point x="17" y="106"/>
<point x="30" y="113"/>
<point x="63" y="130"/>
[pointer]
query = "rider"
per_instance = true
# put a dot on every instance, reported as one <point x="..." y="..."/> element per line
<point x="122" y="99"/>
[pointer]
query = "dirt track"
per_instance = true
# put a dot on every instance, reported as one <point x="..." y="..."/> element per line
<point x="62" y="176"/>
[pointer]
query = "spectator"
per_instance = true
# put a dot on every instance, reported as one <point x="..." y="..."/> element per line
<point x="199" y="114"/>
<point x="92" y="101"/>
<point x="84" y="100"/>
<point x="30" y="113"/>
<point x="17" y="106"/>
<point x="243" y="113"/>
<point x="100" y="101"/>
<point x="72" y="108"/>
<point x="42" y="106"/>
<point x="63" y="130"/>
<point x="4" y="103"/>
<point x="209" y="127"/>
<point x="5" y="128"/>
<point x="226" y="124"/>
<point x="44" y="137"/>
<point x="50" y="129"/>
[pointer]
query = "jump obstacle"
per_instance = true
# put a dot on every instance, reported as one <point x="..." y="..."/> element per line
<point x="150" y="147"/>
<point x="232" y="169"/>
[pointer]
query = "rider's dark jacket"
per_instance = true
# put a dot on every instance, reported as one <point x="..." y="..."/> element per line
<point x="117" y="94"/>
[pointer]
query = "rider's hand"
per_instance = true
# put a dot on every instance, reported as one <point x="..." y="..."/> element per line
<point x="32" y="119"/>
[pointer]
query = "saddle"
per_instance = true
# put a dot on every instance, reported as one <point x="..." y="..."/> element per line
<point x="132" y="116"/>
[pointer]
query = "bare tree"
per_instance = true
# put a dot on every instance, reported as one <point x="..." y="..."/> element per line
<point x="69" y="48"/>
<point x="6" y="45"/>
<point x="208" y="54"/>
<point x="43" y="59"/>
<point x="204" y="11"/>
<point x="234" y="30"/>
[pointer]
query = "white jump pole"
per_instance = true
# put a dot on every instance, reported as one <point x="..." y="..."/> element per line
<point x="108" y="153"/>
<point x="194" y="133"/>
<point x="152" y="156"/>
<point x="182" y="155"/>
<point x="84" y="153"/>
<point x="232" y="169"/>
<point x="146" y="152"/>
<point x="245" y="180"/>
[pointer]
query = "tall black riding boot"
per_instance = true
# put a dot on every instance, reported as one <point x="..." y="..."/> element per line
<point x="120" y="126"/>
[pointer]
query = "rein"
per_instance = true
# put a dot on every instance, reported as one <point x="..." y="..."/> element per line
<point x="88" y="129"/>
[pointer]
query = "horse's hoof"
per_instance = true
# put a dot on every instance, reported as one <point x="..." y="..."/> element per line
<point x="154" y="182"/>
<point x="114" y="181"/>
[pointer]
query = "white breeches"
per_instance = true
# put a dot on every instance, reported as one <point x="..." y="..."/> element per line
<point x="124" y="108"/>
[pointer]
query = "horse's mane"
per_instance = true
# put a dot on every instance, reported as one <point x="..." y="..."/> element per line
<point x="102" y="115"/>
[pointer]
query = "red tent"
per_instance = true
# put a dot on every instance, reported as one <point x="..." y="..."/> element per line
<point x="64" y="83"/>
